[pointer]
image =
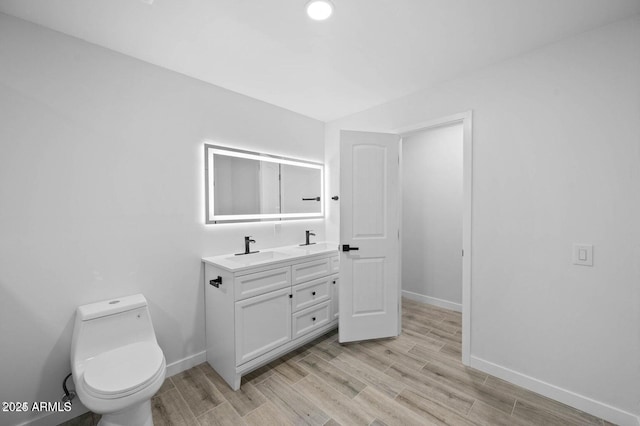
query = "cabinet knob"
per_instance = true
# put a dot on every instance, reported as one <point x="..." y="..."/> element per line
<point x="291" y="296"/>
<point x="313" y="319"/>
<point x="334" y="281"/>
<point x="313" y="293"/>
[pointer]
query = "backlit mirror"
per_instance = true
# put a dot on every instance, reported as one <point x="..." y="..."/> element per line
<point x="246" y="186"/>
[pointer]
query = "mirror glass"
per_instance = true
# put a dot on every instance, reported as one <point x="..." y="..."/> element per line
<point x="249" y="186"/>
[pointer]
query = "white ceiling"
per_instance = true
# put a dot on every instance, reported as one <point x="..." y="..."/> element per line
<point x="369" y="52"/>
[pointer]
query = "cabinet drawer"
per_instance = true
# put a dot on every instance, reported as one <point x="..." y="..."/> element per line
<point x="262" y="282"/>
<point x="310" y="319"/>
<point x="311" y="293"/>
<point x="310" y="270"/>
<point x="335" y="264"/>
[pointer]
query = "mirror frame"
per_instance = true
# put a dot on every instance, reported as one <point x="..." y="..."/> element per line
<point x="212" y="218"/>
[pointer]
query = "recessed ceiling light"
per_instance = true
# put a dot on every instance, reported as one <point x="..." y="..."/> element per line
<point x="319" y="10"/>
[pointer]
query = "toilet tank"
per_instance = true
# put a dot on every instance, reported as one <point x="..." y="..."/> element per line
<point x="110" y="324"/>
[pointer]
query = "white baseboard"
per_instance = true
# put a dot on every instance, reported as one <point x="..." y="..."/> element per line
<point x="432" y="301"/>
<point x="79" y="409"/>
<point x="583" y="403"/>
<point x="186" y="363"/>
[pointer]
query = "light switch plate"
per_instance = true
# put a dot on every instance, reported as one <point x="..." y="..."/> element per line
<point x="583" y="254"/>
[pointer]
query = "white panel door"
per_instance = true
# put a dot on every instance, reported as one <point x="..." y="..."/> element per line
<point x="369" y="224"/>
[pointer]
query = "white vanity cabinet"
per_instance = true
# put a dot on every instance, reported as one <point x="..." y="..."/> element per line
<point x="260" y="307"/>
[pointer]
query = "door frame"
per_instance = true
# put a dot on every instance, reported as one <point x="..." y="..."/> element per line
<point x="466" y="118"/>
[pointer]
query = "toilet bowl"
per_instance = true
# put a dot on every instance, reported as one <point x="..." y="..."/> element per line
<point x="116" y="362"/>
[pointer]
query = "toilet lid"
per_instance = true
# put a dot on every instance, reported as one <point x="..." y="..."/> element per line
<point x="123" y="369"/>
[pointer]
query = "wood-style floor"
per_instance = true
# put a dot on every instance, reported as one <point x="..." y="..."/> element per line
<point x="415" y="379"/>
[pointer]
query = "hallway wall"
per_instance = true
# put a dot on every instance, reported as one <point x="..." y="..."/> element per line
<point x="432" y="216"/>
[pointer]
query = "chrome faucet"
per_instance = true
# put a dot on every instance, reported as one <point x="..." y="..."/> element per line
<point x="307" y="234"/>
<point x="247" y="241"/>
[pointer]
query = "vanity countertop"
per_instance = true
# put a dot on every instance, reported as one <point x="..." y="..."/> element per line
<point x="233" y="263"/>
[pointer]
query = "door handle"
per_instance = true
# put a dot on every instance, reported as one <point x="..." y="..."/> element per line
<point x="346" y="247"/>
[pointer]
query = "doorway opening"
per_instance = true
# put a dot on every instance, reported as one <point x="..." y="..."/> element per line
<point x="432" y="216"/>
<point x="370" y="230"/>
<point x="436" y="216"/>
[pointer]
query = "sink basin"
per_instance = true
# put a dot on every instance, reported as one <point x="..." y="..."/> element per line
<point x="263" y="256"/>
<point x="314" y="248"/>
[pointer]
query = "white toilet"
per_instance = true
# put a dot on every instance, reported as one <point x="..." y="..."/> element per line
<point x="116" y="362"/>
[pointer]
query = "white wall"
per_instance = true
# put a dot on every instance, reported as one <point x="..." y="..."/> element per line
<point x="432" y="216"/>
<point x="101" y="195"/>
<point x="556" y="160"/>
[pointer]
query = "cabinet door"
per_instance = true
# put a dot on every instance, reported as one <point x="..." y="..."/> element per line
<point x="262" y="323"/>
<point x="335" y="302"/>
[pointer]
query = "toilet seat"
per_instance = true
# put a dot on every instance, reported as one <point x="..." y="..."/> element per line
<point x="124" y="370"/>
